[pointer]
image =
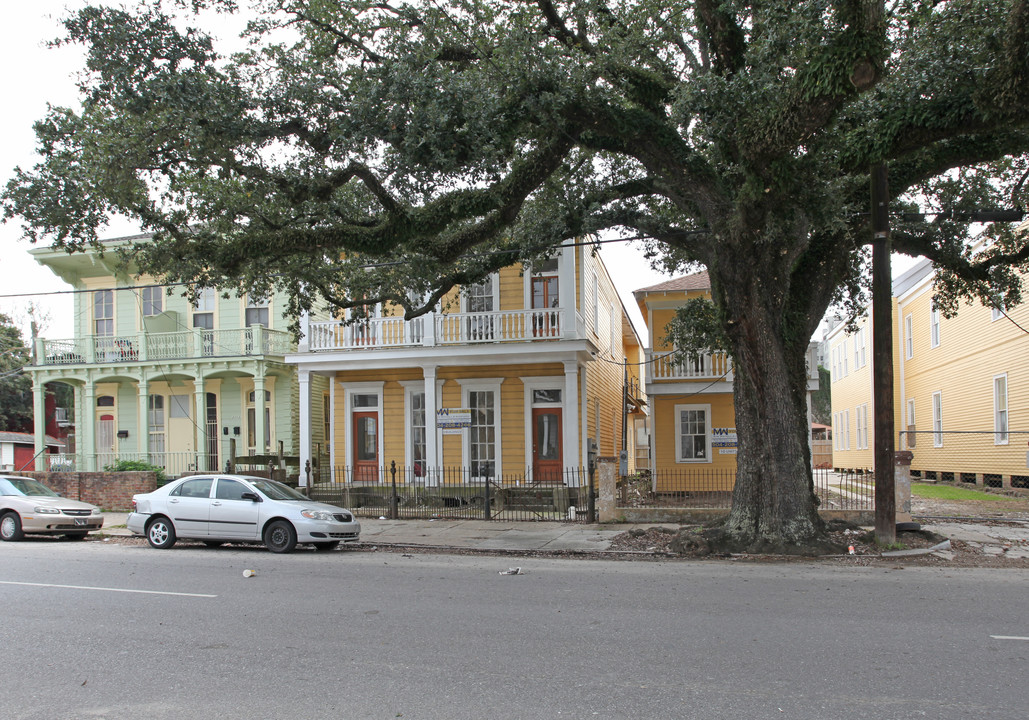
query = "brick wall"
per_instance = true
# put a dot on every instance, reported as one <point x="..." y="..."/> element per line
<point x="109" y="490"/>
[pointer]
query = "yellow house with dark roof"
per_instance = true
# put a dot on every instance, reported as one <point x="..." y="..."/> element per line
<point x="693" y="442"/>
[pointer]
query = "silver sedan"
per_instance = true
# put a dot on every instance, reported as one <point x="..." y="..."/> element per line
<point x="28" y="506"/>
<point x="239" y="508"/>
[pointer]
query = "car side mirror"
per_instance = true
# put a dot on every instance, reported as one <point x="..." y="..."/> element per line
<point x="250" y="496"/>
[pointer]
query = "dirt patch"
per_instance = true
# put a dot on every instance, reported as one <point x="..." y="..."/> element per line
<point x="854" y="545"/>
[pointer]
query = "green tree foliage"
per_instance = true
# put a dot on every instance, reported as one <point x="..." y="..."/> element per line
<point x="15" y="385"/>
<point x="429" y="142"/>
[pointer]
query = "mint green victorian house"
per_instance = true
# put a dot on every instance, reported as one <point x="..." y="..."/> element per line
<point x="160" y="379"/>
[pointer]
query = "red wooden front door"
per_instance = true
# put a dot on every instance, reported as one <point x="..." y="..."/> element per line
<point x="545" y="295"/>
<point x="366" y="446"/>
<point x="546" y="445"/>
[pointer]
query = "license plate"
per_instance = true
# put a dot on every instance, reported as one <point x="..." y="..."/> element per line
<point x="81" y="521"/>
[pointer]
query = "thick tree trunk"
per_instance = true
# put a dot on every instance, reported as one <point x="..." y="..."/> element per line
<point x="774" y="505"/>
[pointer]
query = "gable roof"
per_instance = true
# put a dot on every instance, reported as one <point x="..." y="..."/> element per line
<point x="695" y="281"/>
<point x="19" y="438"/>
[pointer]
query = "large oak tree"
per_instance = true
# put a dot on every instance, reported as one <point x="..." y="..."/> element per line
<point x="430" y="142"/>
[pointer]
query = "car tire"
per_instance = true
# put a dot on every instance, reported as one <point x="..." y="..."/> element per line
<point x="160" y="533"/>
<point x="76" y="536"/>
<point x="214" y="543"/>
<point x="10" y="527"/>
<point x="280" y="537"/>
<point x="328" y="545"/>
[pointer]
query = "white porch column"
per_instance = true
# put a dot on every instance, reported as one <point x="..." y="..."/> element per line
<point x="304" y="378"/>
<point x="570" y="421"/>
<point x="39" y="421"/>
<point x="260" y="447"/>
<point x="87" y="431"/>
<point x="144" y="417"/>
<point x="566" y="290"/>
<point x="200" y="424"/>
<point x="331" y="440"/>
<point x="431" y="435"/>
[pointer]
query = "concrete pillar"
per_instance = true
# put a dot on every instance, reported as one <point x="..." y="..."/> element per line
<point x="607" y="489"/>
<point x="39" y="422"/>
<point x="902" y="484"/>
<point x="304" y="379"/>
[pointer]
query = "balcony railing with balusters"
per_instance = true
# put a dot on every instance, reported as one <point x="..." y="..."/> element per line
<point x="439" y="329"/>
<point x="665" y="365"/>
<point x="152" y="347"/>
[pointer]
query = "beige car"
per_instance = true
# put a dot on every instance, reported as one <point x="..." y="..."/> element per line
<point x="29" y="506"/>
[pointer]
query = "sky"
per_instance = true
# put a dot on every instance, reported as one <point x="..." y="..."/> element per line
<point x="35" y="76"/>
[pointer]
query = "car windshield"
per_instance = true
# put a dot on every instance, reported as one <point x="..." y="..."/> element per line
<point x="24" y="486"/>
<point x="276" y="490"/>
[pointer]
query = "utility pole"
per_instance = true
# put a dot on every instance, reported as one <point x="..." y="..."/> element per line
<point x="882" y="360"/>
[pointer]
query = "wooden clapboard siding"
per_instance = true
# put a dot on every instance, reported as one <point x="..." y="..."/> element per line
<point x="512" y="289"/>
<point x="722" y="416"/>
<point x="973" y="350"/>
<point x="851" y="392"/>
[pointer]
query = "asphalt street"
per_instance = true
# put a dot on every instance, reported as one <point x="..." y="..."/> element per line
<point x="95" y="630"/>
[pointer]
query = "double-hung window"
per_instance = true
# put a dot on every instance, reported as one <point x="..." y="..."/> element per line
<point x="1000" y="410"/>
<point x="937" y="419"/>
<point x="692" y="433"/>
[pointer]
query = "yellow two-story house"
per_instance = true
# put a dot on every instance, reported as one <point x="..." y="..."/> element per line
<point x="693" y="443"/>
<point x="511" y="381"/>
<point x="961" y="388"/>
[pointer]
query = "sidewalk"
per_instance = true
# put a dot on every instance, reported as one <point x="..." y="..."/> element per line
<point x="556" y="537"/>
<point x="467" y="534"/>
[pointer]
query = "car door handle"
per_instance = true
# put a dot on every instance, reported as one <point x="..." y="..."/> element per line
<point x="216" y="503"/>
<point x="173" y="500"/>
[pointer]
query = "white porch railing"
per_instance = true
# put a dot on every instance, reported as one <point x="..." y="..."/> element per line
<point x="439" y="329"/>
<point x="145" y="347"/>
<point x="703" y="366"/>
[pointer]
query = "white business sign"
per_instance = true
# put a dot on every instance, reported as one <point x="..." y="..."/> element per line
<point x="451" y="421"/>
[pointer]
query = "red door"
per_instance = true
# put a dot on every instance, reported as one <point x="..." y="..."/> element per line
<point x="545" y="295"/>
<point x="546" y="445"/>
<point x="366" y="446"/>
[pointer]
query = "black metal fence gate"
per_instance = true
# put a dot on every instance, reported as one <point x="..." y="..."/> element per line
<point x="457" y="493"/>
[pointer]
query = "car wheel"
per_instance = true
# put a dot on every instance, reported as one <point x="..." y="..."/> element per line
<point x="329" y="545"/>
<point x="10" y="527"/>
<point x="214" y="543"/>
<point x="160" y="533"/>
<point x="280" y="537"/>
<point x="76" y="535"/>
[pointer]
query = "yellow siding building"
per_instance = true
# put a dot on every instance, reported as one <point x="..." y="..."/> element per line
<point x="961" y="389"/>
<point x="693" y="442"/>
<point x="509" y="380"/>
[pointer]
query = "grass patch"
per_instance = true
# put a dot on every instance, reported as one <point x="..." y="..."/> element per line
<point x="947" y="492"/>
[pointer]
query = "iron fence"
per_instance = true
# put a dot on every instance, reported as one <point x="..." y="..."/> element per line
<point x="712" y="490"/>
<point x="991" y="458"/>
<point x="173" y="463"/>
<point x="458" y="493"/>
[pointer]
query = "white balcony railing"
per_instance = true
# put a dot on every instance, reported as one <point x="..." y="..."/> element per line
<point x="150" y="347"/>
<point x="702" y="366"/>
<point x="439" y="329"/>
